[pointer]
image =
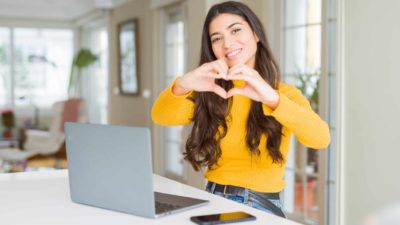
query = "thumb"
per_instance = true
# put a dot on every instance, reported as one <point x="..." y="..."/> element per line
<point x="234" y="91"/>
<point x="219" y="91"/>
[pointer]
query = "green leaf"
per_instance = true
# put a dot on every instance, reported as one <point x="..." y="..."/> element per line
<point x="309" y="82"/>
<point x="81" y="60"/>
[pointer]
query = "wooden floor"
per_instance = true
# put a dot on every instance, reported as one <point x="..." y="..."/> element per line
<point x="38" y="162"/>
<point x="43" y="163"/>
<point x="48" y="162"/>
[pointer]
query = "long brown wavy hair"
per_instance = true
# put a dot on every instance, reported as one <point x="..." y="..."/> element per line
<point x="211" y="111"/>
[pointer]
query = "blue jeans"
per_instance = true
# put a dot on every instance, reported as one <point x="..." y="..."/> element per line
<point x="251" y="199"/>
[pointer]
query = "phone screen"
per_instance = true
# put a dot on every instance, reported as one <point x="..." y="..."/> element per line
<point x="222" y="218"/>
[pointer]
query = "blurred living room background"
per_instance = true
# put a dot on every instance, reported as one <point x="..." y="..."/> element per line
<point x="106" y="61"/>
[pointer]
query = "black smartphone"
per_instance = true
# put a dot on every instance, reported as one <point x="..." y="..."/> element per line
<point x="222" y="218"/>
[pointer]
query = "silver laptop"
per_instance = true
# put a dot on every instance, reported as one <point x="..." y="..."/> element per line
<point x="110" y="167"/>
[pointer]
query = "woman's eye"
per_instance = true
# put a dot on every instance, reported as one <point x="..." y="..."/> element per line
<point x="234" y="31"/>
<point x="215" y="39"/>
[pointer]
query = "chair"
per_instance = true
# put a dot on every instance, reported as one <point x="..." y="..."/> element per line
<point x="46" y="143"/>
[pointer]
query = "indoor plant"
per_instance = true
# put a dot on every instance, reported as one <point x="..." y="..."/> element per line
<point x="83" y="58"/>
<point x="8" y="122"/>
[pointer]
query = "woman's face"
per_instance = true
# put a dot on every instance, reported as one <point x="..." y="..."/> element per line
<point x="233" y="40"/>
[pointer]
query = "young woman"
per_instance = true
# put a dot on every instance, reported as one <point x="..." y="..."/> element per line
<point x="242" y="115"/>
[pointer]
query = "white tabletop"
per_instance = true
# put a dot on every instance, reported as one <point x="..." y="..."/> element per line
<point x="43" y="198"/>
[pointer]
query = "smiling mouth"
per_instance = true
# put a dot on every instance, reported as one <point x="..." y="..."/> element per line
<point x="232" y="54"/>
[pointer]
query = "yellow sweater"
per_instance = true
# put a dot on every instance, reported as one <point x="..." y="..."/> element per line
<point x="236" y="165"/>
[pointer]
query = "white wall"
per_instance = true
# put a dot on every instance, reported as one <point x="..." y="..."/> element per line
<point x="372" y="107"/>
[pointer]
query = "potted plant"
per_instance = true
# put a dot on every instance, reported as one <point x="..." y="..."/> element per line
<point x="308" y="83"/>
<point x="8" y="122"/>
<point x="83" y="58"/>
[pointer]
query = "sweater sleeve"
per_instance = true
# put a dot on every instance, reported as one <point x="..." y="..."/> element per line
<point x="295" y="113"/>
<point x="172" y="110"/>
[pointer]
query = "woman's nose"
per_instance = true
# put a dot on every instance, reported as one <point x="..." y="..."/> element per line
<point x="228" y="41"/>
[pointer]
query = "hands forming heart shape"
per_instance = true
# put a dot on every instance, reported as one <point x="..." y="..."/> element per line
<point x="202" y="79"/>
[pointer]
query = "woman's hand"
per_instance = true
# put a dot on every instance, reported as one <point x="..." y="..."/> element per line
<point x="202" y="79"/>
<point x="255" y="86"/>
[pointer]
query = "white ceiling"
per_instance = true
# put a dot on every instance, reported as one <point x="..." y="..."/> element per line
<point x="64" y="10"/>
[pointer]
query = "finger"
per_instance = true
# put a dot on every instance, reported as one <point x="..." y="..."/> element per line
<point x="222" y="70"/>
<point x="223" y="65"/>
<point x="209" y="67"/>
<point x="235" y="67"/>
<point x="239" y="76"/>
<point x="215" y="75"/>
<point x="236" y="70"/>
<point x="217" y="68"/>
<point x="235" y="91"/>
<point x="219" y="91"/>
<point x="244" y="69"/>
<point x="241" y="69"/>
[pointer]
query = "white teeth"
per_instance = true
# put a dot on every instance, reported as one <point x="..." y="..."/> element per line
<point x="231" y="54"/>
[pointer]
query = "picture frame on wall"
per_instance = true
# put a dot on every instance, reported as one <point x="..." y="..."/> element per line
<point x="127" y="57"/>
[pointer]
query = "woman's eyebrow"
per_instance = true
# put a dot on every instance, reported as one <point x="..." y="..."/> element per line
<point x="233" y="24"/>
<point x="227" y="28"/>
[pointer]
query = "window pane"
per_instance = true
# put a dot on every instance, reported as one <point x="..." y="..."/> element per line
<point x="173" y="157"/>
<point x="312" y="161"/>
<point x="313" y="51"/>
<point x="42" y="65"/>
<point x="302" y="12"/>
<point x="174" y="44"/>
<point x="299" y="193"/>
<point x="312" y="199"/>
<point x="289" y="191"/>
<point x="314" y="11"/>
<point x="290" y="162"/>
<point x="173" y="134"/>
<point x="302" y="68"/>
<point x="174" y="60"/>
<point x="5" y="75"/>
<point x="295" y="11"/>
<point x="175" y="48"/>
<point x="303" y="50"/>
<point x="174" y="31"/>
<point x="301" y="156"/>
<point x="295" y="51"/>
<point x="95" y="77"/>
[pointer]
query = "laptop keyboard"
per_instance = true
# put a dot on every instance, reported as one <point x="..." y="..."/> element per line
<point x="165" y="207"/>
